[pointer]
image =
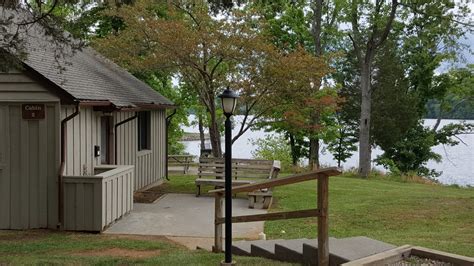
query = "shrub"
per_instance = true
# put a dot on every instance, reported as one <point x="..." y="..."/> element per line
<point x="273" y="147"/>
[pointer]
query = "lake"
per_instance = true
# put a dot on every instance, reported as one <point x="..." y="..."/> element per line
<point x="457" y="166"/>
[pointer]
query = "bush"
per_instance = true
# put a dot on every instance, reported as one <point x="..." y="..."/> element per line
<point x="273" y="147"/>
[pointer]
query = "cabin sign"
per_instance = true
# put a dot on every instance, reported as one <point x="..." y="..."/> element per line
<point x="33" y="111"/>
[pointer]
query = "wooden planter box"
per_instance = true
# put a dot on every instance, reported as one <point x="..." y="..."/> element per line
<point x="397" y="255"/>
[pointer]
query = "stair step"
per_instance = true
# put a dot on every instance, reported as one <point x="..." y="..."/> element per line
<point x="292" y="250"/>
<point x="265" y="249"/>
<point x="243" y="248"/>
<point x="346" y="249"/>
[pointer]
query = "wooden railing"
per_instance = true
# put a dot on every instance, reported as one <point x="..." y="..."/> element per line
<point x="92" y="203"/>
<point x="322" y="175"/>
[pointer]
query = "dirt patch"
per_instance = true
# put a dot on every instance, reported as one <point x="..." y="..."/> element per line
<point x="138" y="237"/>
<point x="120" y="252"/>
<point x="13" y="235"/>
<point x="150" y="195"/>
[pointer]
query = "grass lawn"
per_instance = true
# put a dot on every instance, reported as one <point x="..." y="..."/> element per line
<point x="41" y="247"/>
<point x="400" y="213"/>
<point x="432" y="216"/>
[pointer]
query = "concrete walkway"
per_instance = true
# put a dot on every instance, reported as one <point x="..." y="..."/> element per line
<point x="186" y="217"/>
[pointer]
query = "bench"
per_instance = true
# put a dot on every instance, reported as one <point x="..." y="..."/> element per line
<point x="178" y="162"/>
<point x="244" y="171"/>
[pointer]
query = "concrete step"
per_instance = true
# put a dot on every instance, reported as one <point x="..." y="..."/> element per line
<point x="265" y="249"/>
<point x="346" y="249"/>
<point x="243" y="248"/>
<point x="292" y="250"/>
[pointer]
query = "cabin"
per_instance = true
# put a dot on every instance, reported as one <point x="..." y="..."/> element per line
<point x="78" y="135"/>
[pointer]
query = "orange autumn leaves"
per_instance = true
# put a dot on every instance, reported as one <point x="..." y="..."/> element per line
<point x="213" y="53"/>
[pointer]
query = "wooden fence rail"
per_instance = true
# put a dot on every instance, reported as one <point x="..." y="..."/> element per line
<point x="322" y="175"/>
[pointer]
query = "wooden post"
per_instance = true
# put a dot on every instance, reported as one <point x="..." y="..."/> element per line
<point x="323" y="228"/>
<point x="218" y="216"/>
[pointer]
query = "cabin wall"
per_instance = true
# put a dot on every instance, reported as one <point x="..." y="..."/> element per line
<point x="18" y="87"/>
<point x="83" y="133"/>
<point x="29" y="155"/>
<point x="149" y="164"/>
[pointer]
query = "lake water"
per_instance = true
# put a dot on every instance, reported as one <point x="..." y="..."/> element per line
<point x="457" y="166"/>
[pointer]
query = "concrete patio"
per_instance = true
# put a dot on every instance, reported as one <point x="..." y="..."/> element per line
<point x="184" y="218"/>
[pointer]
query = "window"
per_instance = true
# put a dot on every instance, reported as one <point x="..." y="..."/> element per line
<point x="144" y="138"/>
<point x="105" y="146"/>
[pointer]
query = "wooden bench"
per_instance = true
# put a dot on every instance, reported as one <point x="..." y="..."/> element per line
<point x="178" y="162"/>
<point x="244" y="171"/>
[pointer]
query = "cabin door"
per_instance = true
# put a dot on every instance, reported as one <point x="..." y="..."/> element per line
<point x="28" y="165"/>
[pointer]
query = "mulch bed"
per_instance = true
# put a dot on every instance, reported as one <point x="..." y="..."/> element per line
<point x="414" y="260"/>
<point x="150" y="195"/>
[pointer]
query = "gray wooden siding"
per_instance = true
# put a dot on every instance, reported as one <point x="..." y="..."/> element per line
<point x="17" y="87"/>
<point x="149" y="164"/>
<point x="92" y="203"/>
<point x="29" y="162"/>
<point x="83" y="133"/>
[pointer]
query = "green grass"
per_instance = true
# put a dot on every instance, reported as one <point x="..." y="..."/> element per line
<point x="50" y="247"/>
<point x="397" y="212"/>
<point x="400" y="213"/>
<point x="390" y="209"/>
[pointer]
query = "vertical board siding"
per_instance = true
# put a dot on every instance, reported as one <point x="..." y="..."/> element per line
<point x="83" y="133"/>
<point x="29" y="158"/>
<point x="29" y="165"/>
<point x="149" y="165"/>
<point x="93" y="203"/>
<point x="4" y="167"/>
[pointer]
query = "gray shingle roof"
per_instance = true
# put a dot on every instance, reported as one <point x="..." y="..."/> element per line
<point x="85" y="74"/>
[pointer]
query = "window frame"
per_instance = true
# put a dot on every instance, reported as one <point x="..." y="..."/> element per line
<point x="144" y="131"/>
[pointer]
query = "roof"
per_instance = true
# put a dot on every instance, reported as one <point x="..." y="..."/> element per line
<point x="85" y="74"/>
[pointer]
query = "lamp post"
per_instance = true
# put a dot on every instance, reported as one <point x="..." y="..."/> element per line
<point x="229" y="102"/>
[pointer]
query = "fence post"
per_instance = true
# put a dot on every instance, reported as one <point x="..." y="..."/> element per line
<point x="218" y="215"/>
<point x="323" y="234"/>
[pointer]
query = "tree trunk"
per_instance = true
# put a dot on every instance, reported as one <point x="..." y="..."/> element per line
<point x="202" y="138"/>
<point x="294" y="156"/>
<point x="314" y="153"/>
<point x="318" y="50"/>
<point x="365" y="150"/>
<point x="214" y="134"/>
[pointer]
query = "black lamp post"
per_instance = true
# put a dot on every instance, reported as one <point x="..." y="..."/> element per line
<point x="229" y="102"/>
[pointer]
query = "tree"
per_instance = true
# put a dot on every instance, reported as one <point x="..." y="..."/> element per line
<point x="367" y="35"/>
<point x="420" y="27"/>
<point x="324" y="26"/>
<point x="457" y="86"/>
<point x="290" y="27"/>
<point x="209" y="55"/>
<point x="19" y="19"/>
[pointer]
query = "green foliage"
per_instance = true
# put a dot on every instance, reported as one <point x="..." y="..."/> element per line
<point x="456" y="97"/>
<point x="393" y="105"/>
<point x="162" y="83"/>
<point x="273" y="147"/>
<point x="414" y="150"/>
<point x="345" y="142"/>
